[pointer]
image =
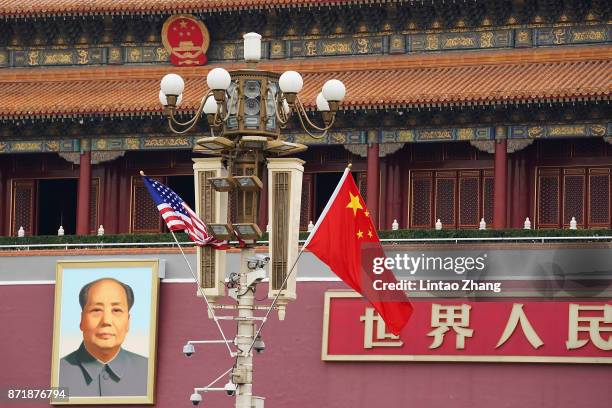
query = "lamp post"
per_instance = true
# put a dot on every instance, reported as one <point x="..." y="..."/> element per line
<point x="246" y="111"/>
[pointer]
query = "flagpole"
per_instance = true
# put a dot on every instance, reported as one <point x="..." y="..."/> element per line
<point x="265" y="319"/>
<point x="201" y="292"/>
<point x="331" y="200"/>
<point x="347" y="170"/>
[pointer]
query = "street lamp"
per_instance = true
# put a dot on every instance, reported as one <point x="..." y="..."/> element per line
<point x="250" y="101"/>
<point x="246" y="111"/>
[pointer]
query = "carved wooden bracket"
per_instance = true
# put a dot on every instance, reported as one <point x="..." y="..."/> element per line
<point x="96" y="157"/>
<point x="385" y="149"/>
<point x="517" y="144"/>
<point x="487" y="146"/>
<point x="511" y="145"/>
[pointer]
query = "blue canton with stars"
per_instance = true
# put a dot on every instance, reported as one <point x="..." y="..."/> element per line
<point x="163" y="194"/>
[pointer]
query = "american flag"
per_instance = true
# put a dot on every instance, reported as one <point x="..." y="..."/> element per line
<point x="178" y="216"/>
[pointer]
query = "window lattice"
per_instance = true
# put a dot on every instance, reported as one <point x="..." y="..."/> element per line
<point x="23" y="206"/>
<point x="468" y="202"/>
<point x="487" y="198"/>
<point x="145" y="217"/>
<point x="548" y="197"/>
<point x="93" y="205"/>
<point x="599" y="199"/>
<point x="306" y="205"/>
<point x="445" y="201"/>
<point x="573" y="201"/>
<point x="421" y="202"/>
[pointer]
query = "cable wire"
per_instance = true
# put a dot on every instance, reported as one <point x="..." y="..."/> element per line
<point x="265" y="319"/>
<point x="201" y="292"/>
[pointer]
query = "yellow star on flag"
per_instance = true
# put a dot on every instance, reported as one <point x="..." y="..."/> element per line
<point x="367" y="213"/>
<point x="360" y="234"/>
<point x="354" y="203"/>
<point x="370" y="234"/>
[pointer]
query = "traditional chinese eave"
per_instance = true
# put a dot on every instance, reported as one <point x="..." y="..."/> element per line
<point x="50" y="8"/>
<point x="390" y="82"/>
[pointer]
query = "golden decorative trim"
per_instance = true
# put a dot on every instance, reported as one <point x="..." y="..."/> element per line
<point x="153" y="270"/>
<point x="325" y="356"/>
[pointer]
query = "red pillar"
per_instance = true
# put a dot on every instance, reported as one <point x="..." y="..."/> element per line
<point x="520" y="190"/>
<point x="524" y="190"/>
<point x="500" y="185"/>
<point x="111" y="197"/>
<point x="396" y="198"/>
<point x="372" y="184"/>
<point x="404" y="189"/>
<point x="84" y="195"/>
<point x="386" y="209"/>
<point x="515" y="191"/>
<point x="125" y="186"/>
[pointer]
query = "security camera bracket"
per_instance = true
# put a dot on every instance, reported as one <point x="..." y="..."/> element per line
<point x="241" y="376"/>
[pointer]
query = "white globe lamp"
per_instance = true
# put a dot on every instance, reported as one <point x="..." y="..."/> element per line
<point x="172" y="85"/>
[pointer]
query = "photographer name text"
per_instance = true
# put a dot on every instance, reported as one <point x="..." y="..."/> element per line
<point x="432" y="285"/>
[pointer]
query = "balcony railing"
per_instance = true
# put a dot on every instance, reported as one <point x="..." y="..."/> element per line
<point x="387" y="238"/>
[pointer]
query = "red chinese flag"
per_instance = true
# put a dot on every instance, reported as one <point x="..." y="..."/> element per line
<point x="345" y="240"/>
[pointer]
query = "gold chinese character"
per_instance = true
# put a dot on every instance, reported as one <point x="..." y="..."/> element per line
<point x="228" y="51"/>
<point x="362" y="46"/>
<point x="445" y="317"/>
<point x="517" y="315"/>
<point x="33" y="57"/>
<point x="523" y="36"/>
<point x="559" y="36"/>
<point x="277" y="49"/>
<point x="486" y="40"/>
<point x="83" y="56"/>
<point x="432" y="42"/>
<point x="161" y="53"/>
<point x="135" y="55"/>
<point x="593" y="328"/>
<point x="311" y="48"/>
<point x="378" y="332"/>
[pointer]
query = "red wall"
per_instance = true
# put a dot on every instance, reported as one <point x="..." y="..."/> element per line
<point x="290" y="373"/>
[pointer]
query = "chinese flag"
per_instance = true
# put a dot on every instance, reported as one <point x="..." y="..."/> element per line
<point x="345" y="239"/>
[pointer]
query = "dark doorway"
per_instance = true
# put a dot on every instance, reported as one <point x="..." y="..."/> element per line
<point x="183" y="186"/>
<point x="325" y="183"/>
<point x="57" y="203"/>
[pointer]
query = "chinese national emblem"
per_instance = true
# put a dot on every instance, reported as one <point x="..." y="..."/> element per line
<point x="186" y="38"/>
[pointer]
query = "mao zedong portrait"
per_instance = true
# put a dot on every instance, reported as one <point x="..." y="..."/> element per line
<point x="100" y="366"/>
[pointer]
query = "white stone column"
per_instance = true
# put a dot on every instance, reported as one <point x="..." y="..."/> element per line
<point x="284" y="200"/>
<point x="211" y="207"/>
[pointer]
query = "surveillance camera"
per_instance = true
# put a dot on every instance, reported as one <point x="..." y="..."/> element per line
<point x="234" y="277"/>
<point x="259" y="345"/>
<point x="263" y="258"/>
<point x="258" y="261"/>
<point x="230" y="388"/>
<point x="195" y="398"/>
<point x="188" y="349"/>
<point x="253" y="278"/>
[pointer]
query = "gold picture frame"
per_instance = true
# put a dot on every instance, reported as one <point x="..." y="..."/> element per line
<point x="105" y="331"/>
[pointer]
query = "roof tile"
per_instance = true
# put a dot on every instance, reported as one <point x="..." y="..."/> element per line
<point x="504" y="77"/>
<point x="79" y="7"/>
